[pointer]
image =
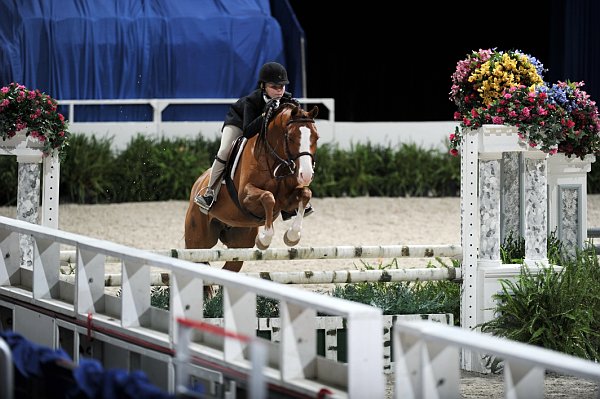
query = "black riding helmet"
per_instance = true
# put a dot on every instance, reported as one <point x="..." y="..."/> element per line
<point x="273" y="72"/>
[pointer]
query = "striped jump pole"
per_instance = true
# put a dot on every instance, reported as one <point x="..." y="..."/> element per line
<point x="304" y="253"/>
<point x="316" y="277"/>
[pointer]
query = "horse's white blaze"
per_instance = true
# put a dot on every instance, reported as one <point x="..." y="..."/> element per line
<point x="305" y="169"/>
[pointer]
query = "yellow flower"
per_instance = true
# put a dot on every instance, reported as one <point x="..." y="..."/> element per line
<point x="502" y="72"/>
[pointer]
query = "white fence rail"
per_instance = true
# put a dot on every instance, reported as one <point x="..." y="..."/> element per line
<point x="122" y="132"/>
<point x="427" y="364"/>
<point x="130" y="324"/>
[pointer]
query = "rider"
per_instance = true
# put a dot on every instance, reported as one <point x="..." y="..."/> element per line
<point x="246" y="117"/>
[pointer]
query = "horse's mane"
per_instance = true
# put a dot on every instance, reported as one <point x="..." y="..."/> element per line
<point x="262" y="136"/>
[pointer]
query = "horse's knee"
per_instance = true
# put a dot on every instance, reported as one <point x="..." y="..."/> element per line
<point x="267" y="199"/>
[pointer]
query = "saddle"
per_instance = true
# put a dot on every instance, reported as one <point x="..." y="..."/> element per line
<point x="237" y="148"/>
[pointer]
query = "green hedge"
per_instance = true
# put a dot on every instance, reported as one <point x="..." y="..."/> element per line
<point x="157" y="170"/>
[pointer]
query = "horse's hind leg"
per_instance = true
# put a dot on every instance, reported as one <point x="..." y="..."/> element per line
<point x="238" y="237"/>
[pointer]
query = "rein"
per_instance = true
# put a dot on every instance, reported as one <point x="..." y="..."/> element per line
<point x="289" y="162"/>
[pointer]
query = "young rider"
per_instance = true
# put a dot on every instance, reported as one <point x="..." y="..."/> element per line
<point x="246" y="116"/>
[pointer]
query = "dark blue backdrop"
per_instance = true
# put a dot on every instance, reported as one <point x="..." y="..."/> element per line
<point x="88" y="49"/>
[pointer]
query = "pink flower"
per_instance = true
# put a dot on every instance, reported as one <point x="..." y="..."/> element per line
<point x="497" y="120"/>
<point x="452" y="136"/>
<point x="532" y="144"/>
<point x="4" y="90"/>
<point x="454" y="152"/>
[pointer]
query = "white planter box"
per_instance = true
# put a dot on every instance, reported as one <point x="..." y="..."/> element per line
<point x="26" y="148"/>
<point x="500" y="138"/>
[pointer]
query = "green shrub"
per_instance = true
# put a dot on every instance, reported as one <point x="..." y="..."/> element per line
<point x="87" y="171"/>
<point x="378" y="171"/>
<point x="406" y="297"/>
<point x="512" y="250"/>
<point x="554" y="309"/>
<point x="8" y="180"/>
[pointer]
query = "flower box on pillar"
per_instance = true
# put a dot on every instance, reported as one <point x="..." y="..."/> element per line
<point x="29" y="153"/>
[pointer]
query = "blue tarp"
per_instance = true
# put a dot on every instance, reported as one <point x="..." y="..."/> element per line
<point x="38" y="369"/>
<point x="127" y="49"/>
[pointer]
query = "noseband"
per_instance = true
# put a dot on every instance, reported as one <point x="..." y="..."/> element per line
<point x="287" y="167"/>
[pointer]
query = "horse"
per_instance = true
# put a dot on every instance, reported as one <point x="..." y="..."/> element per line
<point x="270" y="172"/>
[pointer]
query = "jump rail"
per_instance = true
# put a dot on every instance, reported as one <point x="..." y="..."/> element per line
<point x="427" y="361"/>
<point x="314" y="277"/>
<point x="142" y="330"/>
<point x="303" y="253"/>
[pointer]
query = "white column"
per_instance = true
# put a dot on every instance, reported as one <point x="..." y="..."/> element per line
<point x="567" y="199"/>
<point x="469" y="238"/>
<point x="510" y="216"/>
<point x="489" y="208"/>
<point x="535" y="206"/>
<point x="28" y="200"/>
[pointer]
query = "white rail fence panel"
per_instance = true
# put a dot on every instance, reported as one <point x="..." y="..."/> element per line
<point x="427" y="361"/>
<point x="293" y="364"/>
<point x="122" y="132"/>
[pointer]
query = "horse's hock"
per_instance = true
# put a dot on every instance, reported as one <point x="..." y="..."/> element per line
<point x="510" y="188"/>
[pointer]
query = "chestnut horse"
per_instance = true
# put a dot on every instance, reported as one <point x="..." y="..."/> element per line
<point x="270" y="173"/>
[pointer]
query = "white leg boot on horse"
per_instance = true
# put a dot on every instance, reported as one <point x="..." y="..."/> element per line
<point x="292" y="235"/>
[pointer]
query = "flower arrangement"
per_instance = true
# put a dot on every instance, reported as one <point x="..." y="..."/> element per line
<point x="485" y="74"/>
<point x="492" y="87"/>
<point x="36" y="113"/>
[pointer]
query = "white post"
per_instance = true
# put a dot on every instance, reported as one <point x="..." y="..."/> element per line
<point x="567" y="199"/>
<point x="469" y="236"/>
<point x="28" y="198"/>
<point x="535" y="206"/>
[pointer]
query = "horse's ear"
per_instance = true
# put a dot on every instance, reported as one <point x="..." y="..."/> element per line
<point x="314" y="112"/>
<point x="295" y="111"/>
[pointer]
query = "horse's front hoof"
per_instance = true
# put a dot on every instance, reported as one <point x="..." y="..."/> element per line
<point x="260" y="245"/>
<point x="289" y="241"/>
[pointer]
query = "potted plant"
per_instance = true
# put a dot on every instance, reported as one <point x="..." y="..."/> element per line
<point x="507" y="88"/>
<point x="31" y="113"/>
